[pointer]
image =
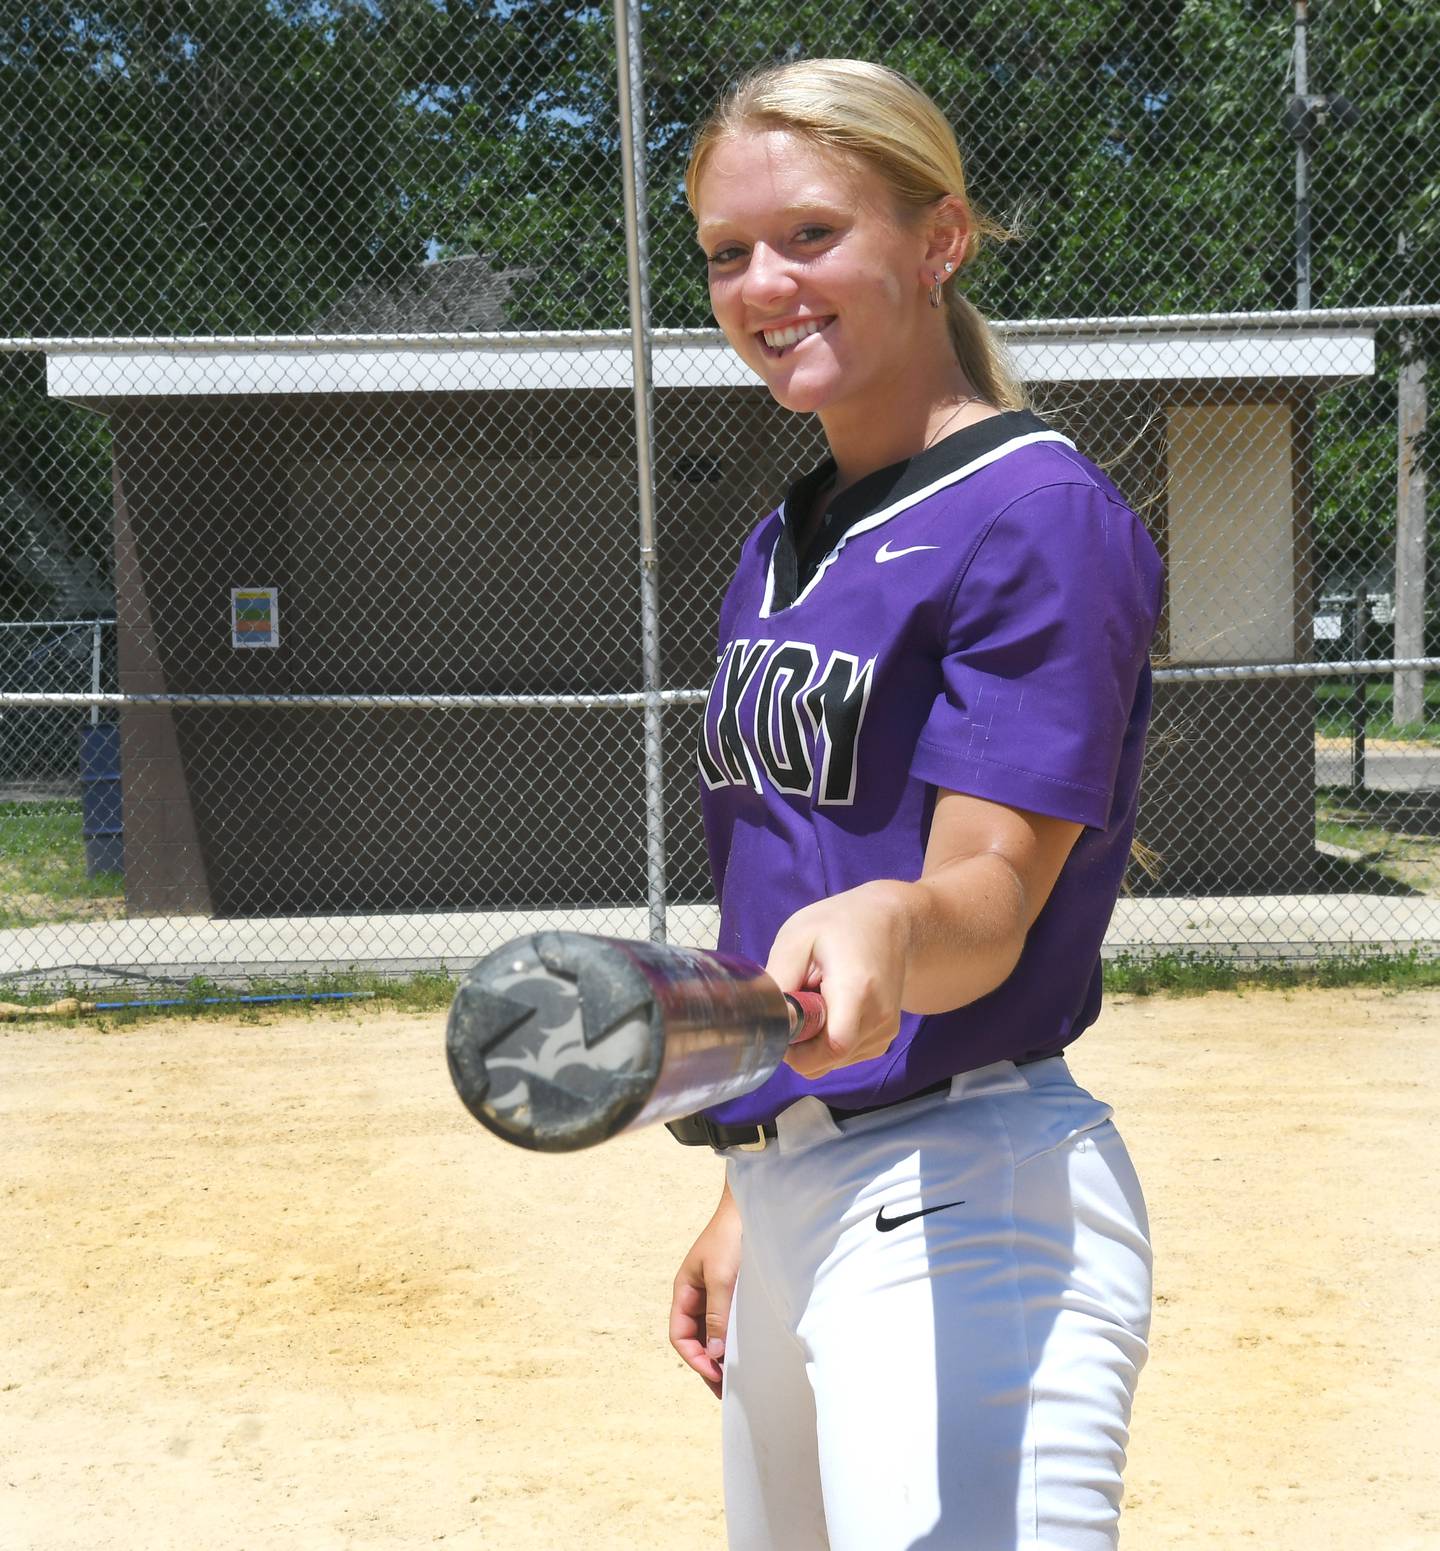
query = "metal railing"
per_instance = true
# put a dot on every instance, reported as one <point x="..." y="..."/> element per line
<point x="1221" y="674"/>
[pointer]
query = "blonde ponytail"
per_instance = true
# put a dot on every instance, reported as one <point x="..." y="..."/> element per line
<point x="982" y="354"/>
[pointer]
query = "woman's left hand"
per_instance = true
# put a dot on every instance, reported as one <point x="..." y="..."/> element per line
<point x="938" y="943"/>
<point x="855" y="946"/>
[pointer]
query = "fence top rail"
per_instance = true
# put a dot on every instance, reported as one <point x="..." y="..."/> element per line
<point x="571" y="339"/>
<point x="621" y="701"/>
<point x="51" y="624"/>
<point x="1350" y="667"/>
<point x="625" y="700"/>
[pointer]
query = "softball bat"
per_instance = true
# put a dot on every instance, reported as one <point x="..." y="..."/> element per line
<point x="561" y="1040"/>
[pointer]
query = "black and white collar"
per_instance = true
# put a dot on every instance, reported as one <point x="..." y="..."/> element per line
<point x="886" y="493"/>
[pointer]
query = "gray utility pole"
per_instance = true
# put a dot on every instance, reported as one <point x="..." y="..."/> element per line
<point x="1307" y="117"/>
<point x="1301" y="131"/>
<point x="637" y="262"/>
<point x="1410" y="558"/>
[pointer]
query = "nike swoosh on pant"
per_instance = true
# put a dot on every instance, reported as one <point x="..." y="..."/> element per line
<point x="888" y="1224"/>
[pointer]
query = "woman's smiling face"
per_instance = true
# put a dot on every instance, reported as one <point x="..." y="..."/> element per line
<point x="815" y="279"/>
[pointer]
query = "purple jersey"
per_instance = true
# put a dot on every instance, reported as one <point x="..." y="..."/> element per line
<point x="978" y="618"/>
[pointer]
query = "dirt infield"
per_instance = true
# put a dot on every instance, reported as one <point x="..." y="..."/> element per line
<point x="266" y="1285"/>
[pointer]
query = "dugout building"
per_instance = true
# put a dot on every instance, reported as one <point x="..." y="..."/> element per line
<point x="460" y="518"/>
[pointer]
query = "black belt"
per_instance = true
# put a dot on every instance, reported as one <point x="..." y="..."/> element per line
<point x="697" y="1131"/>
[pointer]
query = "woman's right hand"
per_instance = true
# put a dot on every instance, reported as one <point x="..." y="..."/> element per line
<point x="704" y="1286"/>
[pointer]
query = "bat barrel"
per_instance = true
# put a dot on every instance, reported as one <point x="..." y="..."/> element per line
<point x="561" y="1040"/>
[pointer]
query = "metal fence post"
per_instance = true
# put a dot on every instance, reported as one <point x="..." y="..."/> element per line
<point x="1410" y="545"/>
<point x="637" y="262"/>
<point x="95" y="670"/>
<point x="1359" y="612"/>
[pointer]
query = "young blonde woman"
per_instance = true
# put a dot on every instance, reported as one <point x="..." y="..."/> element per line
<point x="925" y="1292"/>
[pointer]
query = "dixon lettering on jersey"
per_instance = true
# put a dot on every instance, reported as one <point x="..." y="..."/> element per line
<point x="790" y="685"/>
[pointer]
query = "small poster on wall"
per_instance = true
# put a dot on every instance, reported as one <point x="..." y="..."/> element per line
<point x="254" y="616"/>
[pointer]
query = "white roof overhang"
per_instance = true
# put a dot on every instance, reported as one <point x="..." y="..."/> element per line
<point x="87" y="370"/>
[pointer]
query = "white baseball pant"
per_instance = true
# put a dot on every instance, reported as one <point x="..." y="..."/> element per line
<point x="940" y="1319"/>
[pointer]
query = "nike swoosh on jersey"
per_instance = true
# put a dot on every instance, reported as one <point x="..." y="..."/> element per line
<point x="885" y="553"/>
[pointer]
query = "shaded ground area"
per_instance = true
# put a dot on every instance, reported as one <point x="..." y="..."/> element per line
<point x="1387" y="838"/>
<point x="268" y="1287"/>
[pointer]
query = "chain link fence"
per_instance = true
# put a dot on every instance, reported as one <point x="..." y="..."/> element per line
<point x="357" y="361"/>
<point x="39" y="757"/>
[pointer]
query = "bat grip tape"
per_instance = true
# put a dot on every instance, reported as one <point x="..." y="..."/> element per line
<point x="807" y="1015"/>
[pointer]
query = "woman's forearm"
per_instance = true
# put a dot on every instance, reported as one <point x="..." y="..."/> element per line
<point x="890" y="947"/>
<point x="963" y="929"/>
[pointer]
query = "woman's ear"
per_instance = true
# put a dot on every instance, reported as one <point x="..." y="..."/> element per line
<point x="949" y="236"/>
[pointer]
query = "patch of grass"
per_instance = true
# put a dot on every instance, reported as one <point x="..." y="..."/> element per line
<point x="1333" y="718"/>
<point x="1191" y="974"/>
<point x="1186" y="973"/>
<point x="42" y="868"/>
<point x="421" y="992"/>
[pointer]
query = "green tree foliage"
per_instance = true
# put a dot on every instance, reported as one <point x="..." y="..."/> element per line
<point x="208" y="166"/>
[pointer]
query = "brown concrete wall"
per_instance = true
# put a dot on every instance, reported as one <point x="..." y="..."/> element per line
<point x="1228" y="797"/>
<point x="456" y="544"/>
